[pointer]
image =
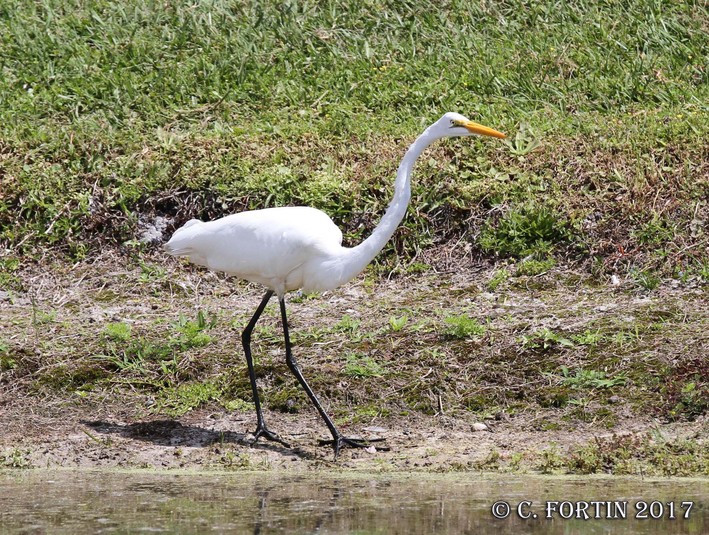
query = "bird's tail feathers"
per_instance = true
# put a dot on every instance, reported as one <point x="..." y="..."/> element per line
<point x="179" y="244"/>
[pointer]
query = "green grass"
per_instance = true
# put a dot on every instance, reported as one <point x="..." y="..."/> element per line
<point x="110" y="112"/>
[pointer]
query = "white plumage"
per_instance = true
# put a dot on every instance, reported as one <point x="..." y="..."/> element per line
<point x="284" y="249"/>
<point x="294" y="248"/>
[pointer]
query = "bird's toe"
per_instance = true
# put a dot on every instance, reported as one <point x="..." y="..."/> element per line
<point x="263" y="431"/>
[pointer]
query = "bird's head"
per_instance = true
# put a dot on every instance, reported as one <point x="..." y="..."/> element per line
<point x="454" y="125"/>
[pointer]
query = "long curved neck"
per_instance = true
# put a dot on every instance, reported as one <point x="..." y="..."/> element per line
<point x="358" y="257"/>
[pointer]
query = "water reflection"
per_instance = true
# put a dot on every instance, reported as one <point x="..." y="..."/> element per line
<point x="120" y="502"/>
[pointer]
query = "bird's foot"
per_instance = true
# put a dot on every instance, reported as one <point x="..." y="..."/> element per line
<point x="263" y="431"/>
<point x="340" y="442"/>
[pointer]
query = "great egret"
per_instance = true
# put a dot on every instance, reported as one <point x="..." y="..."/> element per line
<point x="293" y="248"/>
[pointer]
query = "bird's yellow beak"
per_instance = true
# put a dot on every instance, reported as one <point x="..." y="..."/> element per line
<point x="479" y="129"/>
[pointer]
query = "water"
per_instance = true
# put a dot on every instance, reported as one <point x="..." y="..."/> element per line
<point x="145" y="502"/>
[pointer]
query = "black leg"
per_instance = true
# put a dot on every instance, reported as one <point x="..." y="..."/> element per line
<point x="261" y="429"/>
<point x="338" y="440"/>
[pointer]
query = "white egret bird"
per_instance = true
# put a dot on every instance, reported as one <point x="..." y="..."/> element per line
<point x="293" y="248"/>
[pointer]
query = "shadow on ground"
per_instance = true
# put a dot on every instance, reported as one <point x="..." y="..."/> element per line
<point x="168" y="433"/>
<point x="175" y="434"/>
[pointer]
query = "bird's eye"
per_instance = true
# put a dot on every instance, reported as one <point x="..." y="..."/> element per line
<point x="452" y="123"/>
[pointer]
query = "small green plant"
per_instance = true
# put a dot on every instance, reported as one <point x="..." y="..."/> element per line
<point x="347" y="324"/>
<point x="367" y="412"/>
<point x="551" y="460"/>
<point x="581" y="378"/>
<point x="525" y="230"/>
<point x="302" y="297"/>
<point x="192" y="333"/>
<point x="417" y="267"/>
<point x="640" y="454"/>
<point x="586" y="460"/>
<point x="500" y="276"/>
<point x="646" y="279"/>
<point x="524" y="141"/>
<point x="581" y="403"/>
<point x="515" y="462"/>
<point x="137" y="354"/>
<point x="42" y="318"/>
<point x="623" y="337"/>
<point x="6" y="361"/>
<point x="397" y="324"/>
<point x="492" y="461"/>
<point x="703" y="270"/>
<point x="169" y="367"/>
<point x="362" y="366"/>
<point x="533" y="267"/>
<point x="553" y="395"/>
<point x="287" y="398"/>
<point x="654" y="232"/>
<point x="232" y="460"/>
<point x="151" y="272"/>
<point x="588" y="338"/>
<point x="130" y="359"/>
<point x="693" y="401"/>
<point x="15" y="458"/>
<point x="118" y="332"/>
<point x="349" y="327"/>
<point x="545" y="339"/>
<point x="463" y="327"/>
<point x="8" y="277"/>
<point x="361" y="414"/>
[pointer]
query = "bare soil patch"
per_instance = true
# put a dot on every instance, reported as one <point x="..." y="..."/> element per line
<point x="563" y="368"/>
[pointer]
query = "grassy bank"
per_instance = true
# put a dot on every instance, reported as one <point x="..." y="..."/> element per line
<point x="111" y="114"/>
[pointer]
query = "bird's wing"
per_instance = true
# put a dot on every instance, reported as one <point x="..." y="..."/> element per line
<point x="259" y="245"/>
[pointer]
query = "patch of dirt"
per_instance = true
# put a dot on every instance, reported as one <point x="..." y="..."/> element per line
<point x="81" y="437"/>
<point x="433" y="390"/>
